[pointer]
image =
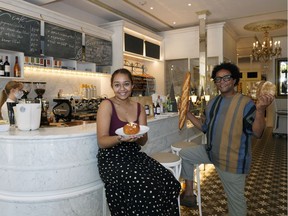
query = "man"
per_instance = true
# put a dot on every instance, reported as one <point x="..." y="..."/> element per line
<point x="231" y="119"/>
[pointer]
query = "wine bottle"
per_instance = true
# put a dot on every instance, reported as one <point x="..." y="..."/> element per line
<point x="17" y="71"/>
<point x="7" y="67"/>
<point x="154" y="109"/>
<point x="158" y="108"/>
<point x="1" y="67"/>
<point x="147" y="110"/>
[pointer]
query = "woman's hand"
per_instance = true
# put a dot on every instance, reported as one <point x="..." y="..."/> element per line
<point x="128" y="138"/>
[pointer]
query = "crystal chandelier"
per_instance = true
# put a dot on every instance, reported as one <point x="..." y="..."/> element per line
<point x="265" y="51"/>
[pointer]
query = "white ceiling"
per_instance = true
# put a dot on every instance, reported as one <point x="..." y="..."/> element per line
<point x="236" y="13"/>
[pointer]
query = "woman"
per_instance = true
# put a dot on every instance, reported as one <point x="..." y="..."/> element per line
<point x="135" y="184"/>
<point x="11" y="93"/>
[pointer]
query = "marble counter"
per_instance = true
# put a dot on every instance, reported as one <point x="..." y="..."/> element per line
<point x="53" y="171"/>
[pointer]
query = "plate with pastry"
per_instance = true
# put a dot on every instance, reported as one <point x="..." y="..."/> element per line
<point x="132" y="130"/>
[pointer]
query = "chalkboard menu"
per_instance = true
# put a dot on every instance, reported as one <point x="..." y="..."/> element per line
<point x="19" y="33"/>
<point x="98" y="51"/>
<point x="62" y="43"/>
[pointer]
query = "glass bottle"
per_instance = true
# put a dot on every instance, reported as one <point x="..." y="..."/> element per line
<point x="158" y="108"/>
<point x="147" y="110"/>
<point x="1" y="67"/>
<point x="17" y="71"/>
<point x="7" y="67"/>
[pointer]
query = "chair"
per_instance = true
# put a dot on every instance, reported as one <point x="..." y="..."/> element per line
<point x="171" y="162"/>
<point x="175" y="148"/>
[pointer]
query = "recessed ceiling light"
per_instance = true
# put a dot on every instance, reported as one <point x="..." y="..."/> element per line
<point x="151" y="8"/>
<point x="189" y="4"/>
<point x="174" y="23"/>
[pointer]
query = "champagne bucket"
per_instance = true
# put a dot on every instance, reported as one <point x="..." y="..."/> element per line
<point x="28" y="116"/>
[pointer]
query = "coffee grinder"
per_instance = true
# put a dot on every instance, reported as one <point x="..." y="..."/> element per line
<point x="26" y="90"/>
<point x="40" y="88"/>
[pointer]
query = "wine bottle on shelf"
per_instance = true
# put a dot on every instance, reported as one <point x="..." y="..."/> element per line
<point x="17" y="70"/>
<point x="1" y="67"/>
<point x="7" y="67"/>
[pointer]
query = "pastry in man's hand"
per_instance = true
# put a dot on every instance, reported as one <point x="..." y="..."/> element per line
<point x="265" y="87"/>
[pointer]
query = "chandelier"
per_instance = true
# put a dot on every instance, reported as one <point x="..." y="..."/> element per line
<point x="268" y="49"/>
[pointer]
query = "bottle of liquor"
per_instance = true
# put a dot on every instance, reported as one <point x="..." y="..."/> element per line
<point x="158" y="108"/>
<point x="1" y="67"/>
<point x="17" y="71"/>
<point x="147" y="110"/>
<point x="7" y="67"/>
<point x="154" y="108"/>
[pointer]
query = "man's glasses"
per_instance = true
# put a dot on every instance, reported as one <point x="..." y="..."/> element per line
<point x="224" y="78"/>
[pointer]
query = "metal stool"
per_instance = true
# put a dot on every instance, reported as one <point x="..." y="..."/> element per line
<point x="171" y="162"/>
<point x="175" y="148"/>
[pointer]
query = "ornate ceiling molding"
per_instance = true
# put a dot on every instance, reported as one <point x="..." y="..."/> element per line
<point x="266" y="25"/>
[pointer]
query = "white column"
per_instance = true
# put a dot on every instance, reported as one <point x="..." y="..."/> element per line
<point x="202" y="15"/>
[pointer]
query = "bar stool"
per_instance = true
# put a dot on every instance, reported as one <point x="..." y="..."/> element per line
<point x="171" y="162"/>
<point x="175" y="148"/>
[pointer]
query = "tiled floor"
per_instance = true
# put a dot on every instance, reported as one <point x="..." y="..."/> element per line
<point x="266" y="185"/>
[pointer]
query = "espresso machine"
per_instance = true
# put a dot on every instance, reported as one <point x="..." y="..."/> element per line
<point x="62" y="110"/>
<point x="75" y="108"/>
<point x="39" y="89"/>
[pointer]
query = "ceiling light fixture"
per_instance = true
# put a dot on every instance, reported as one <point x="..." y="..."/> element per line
<point x="266" y="50"/>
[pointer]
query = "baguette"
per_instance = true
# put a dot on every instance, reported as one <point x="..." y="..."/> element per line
<point x="184" y="100"/>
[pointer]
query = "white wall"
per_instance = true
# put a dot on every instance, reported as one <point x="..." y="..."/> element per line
<point x="184" y="43"/>
<point x="181" y="43"/>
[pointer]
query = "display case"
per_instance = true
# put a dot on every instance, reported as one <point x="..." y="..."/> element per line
<point x="144" y="85"/>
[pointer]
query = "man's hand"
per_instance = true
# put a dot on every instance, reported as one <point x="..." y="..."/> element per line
<point x="264" y="101"/>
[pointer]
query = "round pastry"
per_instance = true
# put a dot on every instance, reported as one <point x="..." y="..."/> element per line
<point x="184" y="101"/>
<point x="265" y="87"/>
<point x="268" y="88"/>
<point x="131" y="128"/>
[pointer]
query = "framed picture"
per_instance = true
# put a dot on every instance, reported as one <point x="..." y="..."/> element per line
<point x="281" y="77"/>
